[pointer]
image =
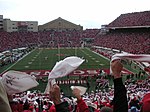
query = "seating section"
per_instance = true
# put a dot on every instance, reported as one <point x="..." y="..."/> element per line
<point x="129" y="41"/>
<point x="90" y="33"/>
<point x="67" y="38"/>
<point x="132" y="19"/>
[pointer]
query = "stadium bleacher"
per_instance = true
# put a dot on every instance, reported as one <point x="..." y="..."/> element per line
<point x="128" y="40"/>
<point x="138" y="19"/>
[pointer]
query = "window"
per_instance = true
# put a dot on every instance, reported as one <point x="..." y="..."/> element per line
<point x="59" y="23"/>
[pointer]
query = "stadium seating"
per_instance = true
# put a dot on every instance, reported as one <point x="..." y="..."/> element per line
<point x="132" y="19"/>
<point x="133" y="42"/>
<point x="129" y="32"/>
<point x="21" y="39"/>
<point x="130" y="41"/>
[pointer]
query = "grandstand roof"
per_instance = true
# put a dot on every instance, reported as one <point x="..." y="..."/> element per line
<point x="132" y="20"/>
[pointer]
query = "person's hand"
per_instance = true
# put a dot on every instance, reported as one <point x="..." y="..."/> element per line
<point x="76" y="92"/>
<point x="55" y="94"/>
<point x="116" y="68"/>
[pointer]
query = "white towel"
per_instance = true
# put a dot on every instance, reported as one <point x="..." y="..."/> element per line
<point x="16" y="82"/>
<point x="134" y="57"/>
<point x="63" y="68"/>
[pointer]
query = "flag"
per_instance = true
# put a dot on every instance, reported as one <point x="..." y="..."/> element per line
<point x="16" y="82"/>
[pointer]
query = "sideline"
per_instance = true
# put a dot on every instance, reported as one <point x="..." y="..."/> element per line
<point x="99" y="54"/>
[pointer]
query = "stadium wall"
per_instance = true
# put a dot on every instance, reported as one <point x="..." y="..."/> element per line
<point x="13" y="26"/>
<point x="1" y="22"/>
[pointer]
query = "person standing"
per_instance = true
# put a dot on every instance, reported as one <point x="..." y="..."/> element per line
<point x="120" y="103"/>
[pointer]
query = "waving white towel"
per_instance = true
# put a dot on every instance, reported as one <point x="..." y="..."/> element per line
<point x="134" y="57"/>
<point x="63" y="68"/>
<point x="16" y="82"/>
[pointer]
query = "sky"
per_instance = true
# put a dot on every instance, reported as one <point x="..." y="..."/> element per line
<point x="87" y="13"/>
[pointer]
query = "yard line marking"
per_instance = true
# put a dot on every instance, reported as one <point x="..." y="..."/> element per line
<point x="32" y="60"/>
<point x="29" y="63"/>
<point x="26" y="66"/>
<point x="101" y="55"/>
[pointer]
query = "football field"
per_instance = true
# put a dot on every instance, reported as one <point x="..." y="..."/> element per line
<point x="45" y="59"/>
<point x="41" y="60"/>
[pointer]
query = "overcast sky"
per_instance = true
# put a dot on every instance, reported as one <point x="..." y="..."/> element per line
<point x="88" y="13"/>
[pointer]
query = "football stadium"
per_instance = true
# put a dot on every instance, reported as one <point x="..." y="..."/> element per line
<point x="35" y="49"/>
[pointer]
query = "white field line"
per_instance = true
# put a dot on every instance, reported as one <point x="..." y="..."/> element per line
<point x="99" y="54"/>
<point x="27" y="66"/>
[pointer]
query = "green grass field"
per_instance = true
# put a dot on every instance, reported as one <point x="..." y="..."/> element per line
<point x="45" y="59"/>
<point x="36" y="59"/>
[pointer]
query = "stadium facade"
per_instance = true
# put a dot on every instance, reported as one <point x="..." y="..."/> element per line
<point x="1" y="22"/>
<point x="59" y="24"/>
<point x="20" y="26"/>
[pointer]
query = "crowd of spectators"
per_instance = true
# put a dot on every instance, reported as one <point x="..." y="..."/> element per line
<point x="95" y="99"/>
<point x="67" y="38"/>
<point x="90" y="33"/>
<point x="130" y="41"/>
<point x="132" y="19"/>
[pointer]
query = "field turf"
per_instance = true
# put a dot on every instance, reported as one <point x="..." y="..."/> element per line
<point x="46" y="58"/>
